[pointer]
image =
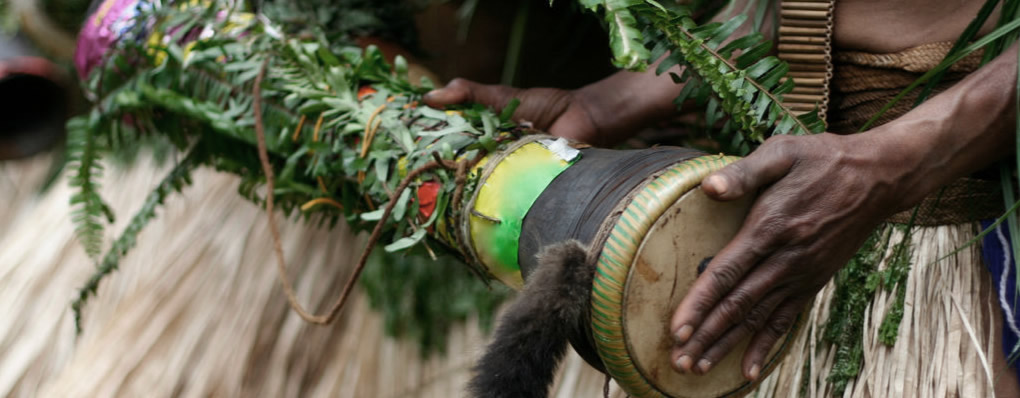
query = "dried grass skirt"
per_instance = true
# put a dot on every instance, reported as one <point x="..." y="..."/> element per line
<point x="947" y="339"/>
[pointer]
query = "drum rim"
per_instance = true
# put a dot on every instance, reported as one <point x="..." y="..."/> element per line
<point x="617" y="256"/>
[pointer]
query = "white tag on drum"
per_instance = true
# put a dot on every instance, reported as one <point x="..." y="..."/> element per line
<point x="561" y="148"/>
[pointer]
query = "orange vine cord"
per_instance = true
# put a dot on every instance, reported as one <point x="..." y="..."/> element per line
<point x="370" y="129"/>
<point x="322" y="184"/>
<point x="318" y="127"/>
<point x="321" y="201"/>
<point x="371" y="206"/>
<point x="297" y="131"/>
<point x="281" y="264"/>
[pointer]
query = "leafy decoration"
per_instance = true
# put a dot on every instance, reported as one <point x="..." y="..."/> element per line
<point x="344" y="129"/>
<point x="843" y="330"/>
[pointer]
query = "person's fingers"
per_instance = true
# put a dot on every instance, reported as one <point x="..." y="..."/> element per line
<point x="762" y="167"/>
<point x="722" y="274"/>
<point x="449" y="95"/>
<point x="544" y="108"/>
<point x="754" y="321"/>
<point x="461" y="91"/>
<point x="747" y="305"/>
<point x="778" y="325"/>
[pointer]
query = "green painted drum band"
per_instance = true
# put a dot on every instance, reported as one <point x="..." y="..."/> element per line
<point x="617" y="256"/>
<point x="508" y="189"/>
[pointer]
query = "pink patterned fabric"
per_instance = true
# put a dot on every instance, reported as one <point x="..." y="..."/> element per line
<point x="112" y="19"/>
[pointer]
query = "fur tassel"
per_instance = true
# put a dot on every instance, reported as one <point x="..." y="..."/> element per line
<point x="531" y="338"/>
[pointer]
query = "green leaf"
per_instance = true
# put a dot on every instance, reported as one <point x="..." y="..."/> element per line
<point x="372" y="215"/>
<point x="405" y="243"/>
<point x="400" y="208"/>
<point x="508" y="111"/>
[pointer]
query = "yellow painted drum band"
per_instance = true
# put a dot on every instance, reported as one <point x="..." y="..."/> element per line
<point x="504" y="196"/>
<point x="614" y="265"/>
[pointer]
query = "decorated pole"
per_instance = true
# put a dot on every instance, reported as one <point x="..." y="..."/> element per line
<point x="329" y="131"/>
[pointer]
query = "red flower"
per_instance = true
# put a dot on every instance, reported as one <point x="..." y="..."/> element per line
<point x="365" y="91"/>
<point x="427" y="194"/>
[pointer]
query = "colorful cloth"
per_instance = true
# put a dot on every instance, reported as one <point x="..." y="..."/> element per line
<point x="111" y="20"/>
<point x="997" y="252"/>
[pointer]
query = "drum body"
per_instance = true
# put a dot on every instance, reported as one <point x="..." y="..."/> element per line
<point x="647" y="226"/>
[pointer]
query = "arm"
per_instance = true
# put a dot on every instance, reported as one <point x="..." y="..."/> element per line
<point x="821" y="196"/>
<point x="605" y="112"/>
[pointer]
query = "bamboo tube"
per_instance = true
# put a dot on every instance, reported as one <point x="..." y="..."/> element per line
<point x="807" y="81"/>
<point x="801" y="89"/>
<point x="800" y="107"/>
<point x="799" y="67"/>
<point x="805" y="5"/>
<point x="796" y="57"/>
<point x="801" y="48"/>
<point x="806" y="75"/>
<point x="806" y="23"/>
<point x="815" y="98"/>
<point x="802" y="39"/>
<point x="806" y="14"/>
<point x="790" y="30"/>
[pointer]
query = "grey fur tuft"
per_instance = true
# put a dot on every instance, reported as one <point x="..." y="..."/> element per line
<point x="531" y="338"/>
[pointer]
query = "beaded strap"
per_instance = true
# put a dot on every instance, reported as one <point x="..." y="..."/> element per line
<point x="805" y="43"/>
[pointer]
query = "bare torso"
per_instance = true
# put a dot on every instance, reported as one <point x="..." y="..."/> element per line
<point x="884" y="26"/>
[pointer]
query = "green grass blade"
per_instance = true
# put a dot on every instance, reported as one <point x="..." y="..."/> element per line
<point x="967" y="35"/>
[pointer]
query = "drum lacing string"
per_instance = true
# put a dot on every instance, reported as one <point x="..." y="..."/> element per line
<point x="461" y="167"/>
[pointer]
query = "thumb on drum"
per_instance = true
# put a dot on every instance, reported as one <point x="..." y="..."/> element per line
<point x="750" y="174"/>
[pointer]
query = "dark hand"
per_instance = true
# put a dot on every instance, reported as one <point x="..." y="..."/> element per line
<point x="820" y="198"/>
<point x="559" y="112"/>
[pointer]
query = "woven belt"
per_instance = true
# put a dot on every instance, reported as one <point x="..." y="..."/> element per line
<point x="964" y="200"/>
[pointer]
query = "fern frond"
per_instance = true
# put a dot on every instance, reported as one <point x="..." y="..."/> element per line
<point x="625" y="37"/>
<point x="174" y="181"/>
<point x="84" y="159"/>
<point x="749" y="91"/>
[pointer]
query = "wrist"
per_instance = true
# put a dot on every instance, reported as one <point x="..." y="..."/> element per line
<point x="900" y="162"/>
<point x="960" y="131"/>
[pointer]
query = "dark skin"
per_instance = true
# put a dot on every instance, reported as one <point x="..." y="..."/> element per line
<point x="819" y="196"/>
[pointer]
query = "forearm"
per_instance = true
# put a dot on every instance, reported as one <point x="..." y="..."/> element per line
<point x="955" y="133"/>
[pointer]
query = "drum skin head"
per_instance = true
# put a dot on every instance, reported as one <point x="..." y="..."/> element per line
<point x="692" y="230"/>
<point x="648" y="263"/>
